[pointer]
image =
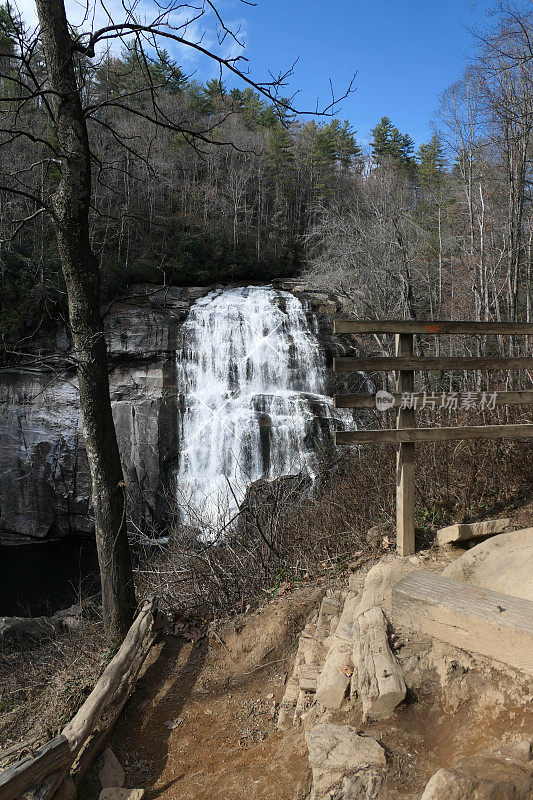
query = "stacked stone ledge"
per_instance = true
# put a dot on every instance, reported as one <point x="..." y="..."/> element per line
<point x="344" y="652"/>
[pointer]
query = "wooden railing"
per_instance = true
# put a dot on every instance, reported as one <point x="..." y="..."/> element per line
<point x="405" y="363"/>
<point x="67" y="758"/>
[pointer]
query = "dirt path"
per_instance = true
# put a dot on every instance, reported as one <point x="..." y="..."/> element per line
<point x="202" y="721"/>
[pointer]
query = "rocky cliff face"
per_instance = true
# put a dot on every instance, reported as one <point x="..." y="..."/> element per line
<point x="44" y="480"/>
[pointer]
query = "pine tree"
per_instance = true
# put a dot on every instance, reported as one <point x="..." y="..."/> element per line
<point x="381" y="143"/>
<point x="346" y="149"/>
<point x="167" y="74"/>
<point x="431" y="163"/>
<point x="8" y="37"/>
<point x="388" y="144"/>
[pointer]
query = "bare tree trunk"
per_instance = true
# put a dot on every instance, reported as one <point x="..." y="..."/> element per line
<point x="71" y="219"/>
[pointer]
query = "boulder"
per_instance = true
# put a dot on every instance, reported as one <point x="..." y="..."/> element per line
<point x="473" y="530"/>
<point x="503" y="564"/>
<point x="110" y="771"/>
<point x="119" y="793"/>
<point x="27" y="632"/>
<point x="380" y="581"/>
<point x="375" y="535"/>
<point x="340" y="758"/>
<point x="481" y="778"/>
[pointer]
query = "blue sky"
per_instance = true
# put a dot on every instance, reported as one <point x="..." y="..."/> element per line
<point x="405" y="52"/>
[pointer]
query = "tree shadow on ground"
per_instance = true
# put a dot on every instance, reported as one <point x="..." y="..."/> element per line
<point x="142" y="734"/>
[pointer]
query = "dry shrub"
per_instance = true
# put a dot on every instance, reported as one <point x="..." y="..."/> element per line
<point x="288" y="530"/>
<point x="43" y="687"/>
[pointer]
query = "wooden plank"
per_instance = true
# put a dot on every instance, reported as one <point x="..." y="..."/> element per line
<point x="472" y="618"/>
<point x="52" y="756"/>
<point x="434" y="434"/>
<point x="369" y="400"/>
<point x="405" y="458"/>
<point x="426" y="363"/>
<point x="436" y="326"/>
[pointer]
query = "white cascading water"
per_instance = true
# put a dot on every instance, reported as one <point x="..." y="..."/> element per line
<point x="251" y="374"/>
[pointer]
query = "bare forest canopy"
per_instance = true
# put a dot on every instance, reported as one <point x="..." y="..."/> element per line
<point x="446" y="231"/>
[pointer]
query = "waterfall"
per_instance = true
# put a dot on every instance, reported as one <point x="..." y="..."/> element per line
<point x="251" y="376"/>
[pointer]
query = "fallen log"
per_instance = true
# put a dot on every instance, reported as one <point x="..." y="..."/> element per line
<point x="478" y="620"/>
<point x="380" y="680"/>
<point x="103" y="730"/>
<point x="51" y="756"/>
<point x="50" y="787"/>
<point x="84" y="722"/>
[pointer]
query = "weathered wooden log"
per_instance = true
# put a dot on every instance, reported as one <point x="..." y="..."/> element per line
<point x="84" y="722"/>
<point x="103" y="730"/>
<point x="50" y="787"/>
<point x="20" y="776"/>
<point x="380" y="680"/>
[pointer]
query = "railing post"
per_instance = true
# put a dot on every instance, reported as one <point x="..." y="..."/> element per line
<point x="405" y="459"/>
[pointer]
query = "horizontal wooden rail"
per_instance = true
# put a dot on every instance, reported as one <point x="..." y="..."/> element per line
<point x="384" y="364"/>
<point x="410" y="326"/>
<point x="434" y="434"/>
<point x="369" y="400"/>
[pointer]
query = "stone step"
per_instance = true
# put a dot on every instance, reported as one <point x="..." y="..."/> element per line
<point x="334" y="679"/>
<point x="464" y="532"/>
<point x="308" y="674"/>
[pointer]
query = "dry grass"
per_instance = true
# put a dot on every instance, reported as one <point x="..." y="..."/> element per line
<point x="42" y="688"/>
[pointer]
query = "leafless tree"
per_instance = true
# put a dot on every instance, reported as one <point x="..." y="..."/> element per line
<point x="49" y="69"/>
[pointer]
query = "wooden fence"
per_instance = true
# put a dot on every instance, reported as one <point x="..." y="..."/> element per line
<point x="58" y="767"/>
<point x="405" y="363"/>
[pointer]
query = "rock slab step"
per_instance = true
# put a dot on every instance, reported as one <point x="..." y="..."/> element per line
<point x="481" y="778"/>
<point x="110" y="771"/>
<point x="340" y="758"/>
<point x="464" y="532"/>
